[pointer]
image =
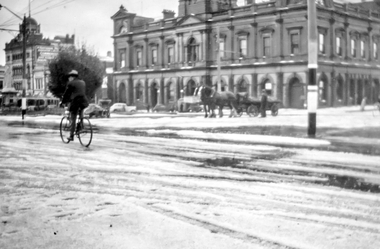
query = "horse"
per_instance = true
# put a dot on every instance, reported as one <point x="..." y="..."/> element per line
<point x="212" y="99"/>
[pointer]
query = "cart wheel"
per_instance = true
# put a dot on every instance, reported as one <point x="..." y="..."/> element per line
<point x="274" y="110"/>
<point x="252" y="111"/>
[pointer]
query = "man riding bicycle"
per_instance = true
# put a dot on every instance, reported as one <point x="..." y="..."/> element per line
<point x="75" y="94"/>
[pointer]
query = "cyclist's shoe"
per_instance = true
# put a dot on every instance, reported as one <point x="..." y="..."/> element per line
<point x="71" y="138"/>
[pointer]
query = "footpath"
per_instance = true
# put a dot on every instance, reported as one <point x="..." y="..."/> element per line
<point x="347" y="127"/>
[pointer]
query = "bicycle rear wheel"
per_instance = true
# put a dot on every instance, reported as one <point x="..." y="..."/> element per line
<point x="64" y="129"/>
<point x="85" y="132"/>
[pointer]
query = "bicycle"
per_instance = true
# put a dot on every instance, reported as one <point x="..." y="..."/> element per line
<point x="83" y="130"/>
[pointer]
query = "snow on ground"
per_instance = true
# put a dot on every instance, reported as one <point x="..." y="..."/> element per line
<point x="164" y="192"/>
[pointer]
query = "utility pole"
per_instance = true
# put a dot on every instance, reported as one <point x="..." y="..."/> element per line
<point x="24" y="78"/>
<point x="312" y="88"/>
<point x="219" y="86"/>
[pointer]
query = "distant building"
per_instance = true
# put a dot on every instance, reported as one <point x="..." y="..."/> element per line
<point x="106" y="88"/>
<point x="38" y="51"/>
<point x="262" y="45"/>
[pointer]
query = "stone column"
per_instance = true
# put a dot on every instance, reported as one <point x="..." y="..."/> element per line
<point x="129" y="55"/>
<point x="232" y="43"/>
<point x="332" y="36"/>
<point x="161" y="52"/>
<point x="254" y="85"/>
<point x="146" y="53"/>
<point x="370" y="44"/>
<point x="331" y="93"/>
<point x="346" y="40"/>
<point x="279" y="88"/>
<point x="280" y="43"/>
<point x="253" y="40"/>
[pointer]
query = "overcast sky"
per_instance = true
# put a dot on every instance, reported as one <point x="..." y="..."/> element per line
<point x="88" y="20"/>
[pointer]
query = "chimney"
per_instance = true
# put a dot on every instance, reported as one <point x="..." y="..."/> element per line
<point x="109" y="54"/>
<point x="168" y="14"/>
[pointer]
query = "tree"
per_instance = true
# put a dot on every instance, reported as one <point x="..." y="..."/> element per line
<point x="89" y="67"/>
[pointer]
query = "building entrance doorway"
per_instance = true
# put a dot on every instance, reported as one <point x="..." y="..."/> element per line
<point x="296" y="92"/>
<point x="122" y="93"/>
<point x="154" y="94"/>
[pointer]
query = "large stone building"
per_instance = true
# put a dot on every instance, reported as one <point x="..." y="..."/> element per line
<point x="38" y="51"/>
<point x="262" y="46"/>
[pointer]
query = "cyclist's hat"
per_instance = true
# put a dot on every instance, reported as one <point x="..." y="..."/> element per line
<point x="73" y="73"/>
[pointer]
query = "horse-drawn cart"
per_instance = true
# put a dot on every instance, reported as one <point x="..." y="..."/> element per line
<point x="252" y="105"/>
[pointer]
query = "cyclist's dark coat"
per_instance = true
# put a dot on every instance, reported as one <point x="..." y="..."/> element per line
<point x="76" y="94"/>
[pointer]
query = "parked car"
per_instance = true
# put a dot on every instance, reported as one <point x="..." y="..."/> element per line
<point x="122" y="107"/>
<point x="170" y="107"/>
<point x="95" y="110"/>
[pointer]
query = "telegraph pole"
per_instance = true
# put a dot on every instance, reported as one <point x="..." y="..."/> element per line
<point x="312" y="88"/>
<point x="24" y="78"/>
<point x="219" y="86"/>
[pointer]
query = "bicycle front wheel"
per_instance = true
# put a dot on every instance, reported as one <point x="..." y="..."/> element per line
<point x="64" y="129"/>
<point x="85" y="133"/>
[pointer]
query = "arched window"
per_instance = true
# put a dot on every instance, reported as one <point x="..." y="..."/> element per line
<point x="171" y="92"/>
<point x="339" y="90"/>
<point x="268" y="86"/>
<point x="139" y="92"/>
<point x="242" y="86"/>
<point x="192" y="48"/>
<point x="323" y="91"/>
<point x="190" y="88"/>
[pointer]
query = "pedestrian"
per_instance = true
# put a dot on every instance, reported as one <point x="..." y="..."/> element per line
<point x="363" y="103"/>
<point x="75" y="94"/>
<point x="263" y="103"/>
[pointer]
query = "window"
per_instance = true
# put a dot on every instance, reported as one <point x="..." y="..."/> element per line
<point x="1" y="84"/>
<point x="122" y="58"/>
<point x="322" y="48"/>
<point x="242" y="87"/>
<point x="243" y="47"/>
<point x="39" y="83"/>
<point x="171" y="92"/>
<point x="192" y="48"/>
<point x="340" y="90"/>
<point x="138" y="58"/>
<point x="320" y="2"/>
<point x="353" y="48"/>
<point x="338" y="46"/>
<point x="322" y="91"/>
<point x="266" y="46"/>
<point x="221" y="47"/>
<point x="139" y="92"/>
<point x="268" y="87"/>
<point x="294" y="43"/>
<point x="362" y="49"/>
<point x="375" y="52"/>
<point x="8" y="57"/>
<point x="154" y="56"/>
<point x="170" y="55"/>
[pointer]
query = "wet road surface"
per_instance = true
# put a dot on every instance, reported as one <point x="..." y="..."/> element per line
<point x="266" y="196"/>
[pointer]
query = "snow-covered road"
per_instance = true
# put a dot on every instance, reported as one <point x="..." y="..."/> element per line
<point x="129" y="191"/>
